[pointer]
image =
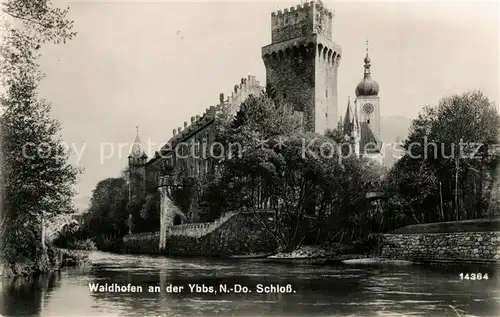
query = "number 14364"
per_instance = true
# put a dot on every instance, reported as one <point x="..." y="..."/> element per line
<point x="473" y="276"/>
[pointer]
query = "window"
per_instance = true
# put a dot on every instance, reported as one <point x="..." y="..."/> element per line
<point x="177" y="220"/>
<point x="326" y="93"/>
<point x="368" y="121"/>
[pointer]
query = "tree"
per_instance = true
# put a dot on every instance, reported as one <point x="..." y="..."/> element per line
<point x="33" y="23"/>
<point x="447" y="172"/>
<point x="335" y="135"/>
<point x="150" y="213"/>
<point x="306" y="186"/>
<point x="467" y="126"/>
<point x="37" y="179"/>
<point x="108" y="208"/>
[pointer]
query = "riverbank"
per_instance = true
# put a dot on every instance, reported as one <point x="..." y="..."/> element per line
<point x="54" y="259"/>
<point x="325" y="255"/>
<point x="318" y="255"/>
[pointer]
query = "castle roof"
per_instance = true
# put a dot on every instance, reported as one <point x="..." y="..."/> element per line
<point x="347" y="119"/>
<point x="368" y="143"/>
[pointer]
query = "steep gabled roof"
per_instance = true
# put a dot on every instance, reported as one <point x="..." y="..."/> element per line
<point x="368" y="143"/>
<point x="347" y="126"/>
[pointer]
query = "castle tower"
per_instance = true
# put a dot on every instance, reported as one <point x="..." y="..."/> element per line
<point x="137" y="170"/>
<point x="367" y="99"/>
<point x="302" y="63"/>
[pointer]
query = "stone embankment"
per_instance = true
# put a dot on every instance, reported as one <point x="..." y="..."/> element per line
<point x="470" y="241"/>
<point x="240" y="233"/>
<point x="442" y="247"/>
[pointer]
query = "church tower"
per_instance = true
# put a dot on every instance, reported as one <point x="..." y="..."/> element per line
<point x="368" y="101"/>
<point x="302" y="63"/>
<point x="137" y="170"/>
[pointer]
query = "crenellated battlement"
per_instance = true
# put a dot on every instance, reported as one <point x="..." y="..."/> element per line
<point x="309" y="18"/>
<point x="240" y="92"/>
<point x="307" y="6"/>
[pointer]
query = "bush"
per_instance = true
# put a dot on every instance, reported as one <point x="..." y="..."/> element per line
<point x="87" y="244"/>
<point x="142" y="243"/>
<point x="338" y="248"/>
<point x="373" y="244"/>
<point x="109" y="243"/>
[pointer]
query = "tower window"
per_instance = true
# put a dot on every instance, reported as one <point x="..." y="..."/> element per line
<point x="326" y="93"/>
<point x="368" y="121"/>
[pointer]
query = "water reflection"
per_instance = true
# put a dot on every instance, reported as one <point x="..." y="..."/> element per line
<point x="326" y="290"/>
<point x="26" y="295"/>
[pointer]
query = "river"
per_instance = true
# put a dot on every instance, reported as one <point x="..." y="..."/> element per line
<point x="340" y="290"/>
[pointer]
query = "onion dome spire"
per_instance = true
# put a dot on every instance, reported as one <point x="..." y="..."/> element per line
<point x="368" y="86"/>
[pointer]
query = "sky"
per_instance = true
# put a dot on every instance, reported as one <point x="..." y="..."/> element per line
<point x="156" y="64"/>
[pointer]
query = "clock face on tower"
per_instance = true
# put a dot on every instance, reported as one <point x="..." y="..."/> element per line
<point x="368" y="108"/>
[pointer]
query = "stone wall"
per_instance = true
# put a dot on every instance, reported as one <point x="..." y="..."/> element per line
<point x="454" y="246"/>
<point x="236" y="234"/>
<point x="197" y="230"/>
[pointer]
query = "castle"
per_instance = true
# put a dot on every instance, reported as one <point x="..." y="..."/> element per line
<point x="302" y="67"/>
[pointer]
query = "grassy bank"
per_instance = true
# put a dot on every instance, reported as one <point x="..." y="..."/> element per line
<point x="51" y="260"/>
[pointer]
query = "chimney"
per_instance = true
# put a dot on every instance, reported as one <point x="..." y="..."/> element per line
<point x="192" y="120"/>
<point x="221" y="98"/>
<point x="185" y="124"/>
<point x="174" y="132"/>
<point x="179" y="129"/>
<point x="197" y="117"/>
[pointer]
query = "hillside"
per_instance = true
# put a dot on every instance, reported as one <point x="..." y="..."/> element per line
<point x="81" y="203"/>
<point x="392" y="127"/>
